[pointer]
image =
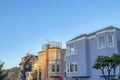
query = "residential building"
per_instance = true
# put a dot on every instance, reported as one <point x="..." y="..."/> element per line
<point x="51" y="61"/>
<point x="26" y="65"/>
<point x="83" y="50"/>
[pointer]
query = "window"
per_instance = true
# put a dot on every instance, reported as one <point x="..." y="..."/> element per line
<point x="49" y="68"/>
<point x="110" y="41"/>
<point x="67" y="67"/>
<point x="42" y="58"/>
<point x="71" y="67"/>
<point x="58" y="68"/>
<point x="52" y="56"/>
<point x="27" y="66"/>
<point x="53" y="68"/>
<point x="101" y="42"/>
<point x="75" y="67"/>
<point x="71" y="49"/>
<point x="58" y="55"/>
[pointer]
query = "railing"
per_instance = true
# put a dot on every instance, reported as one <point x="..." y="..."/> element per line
<point x="55" y="44"/>
<point x="52" y="44"/>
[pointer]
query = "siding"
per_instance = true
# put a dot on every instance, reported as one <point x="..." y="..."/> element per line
<point x="87" y="52"/>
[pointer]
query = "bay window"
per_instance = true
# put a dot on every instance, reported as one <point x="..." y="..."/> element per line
<point x="110" y="42"/>
<point x="71" y="49"/>
<point x="101" y="42"/>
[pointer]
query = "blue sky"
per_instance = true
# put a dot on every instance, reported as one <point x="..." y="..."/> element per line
<point x="27" y="24"/>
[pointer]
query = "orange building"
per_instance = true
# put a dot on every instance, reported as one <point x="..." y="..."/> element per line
<point x="51" y="61"/>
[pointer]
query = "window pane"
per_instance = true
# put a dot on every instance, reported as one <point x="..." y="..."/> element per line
<point x="75" y="67"/>
<point x="58" y="68"/>
<point x="68" y="50"/>
<point x="110" y="40"/>
<point x="101" y="42"/>
<point x="53" y="68"/>
<point x="71" y="67"/>
<point x="71" y="49"/>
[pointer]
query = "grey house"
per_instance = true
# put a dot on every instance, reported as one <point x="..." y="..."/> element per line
<point x="83" y="50"/>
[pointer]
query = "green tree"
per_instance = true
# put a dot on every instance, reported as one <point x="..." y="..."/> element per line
<point x="115" y="62"/>
<point x="34" y="75"/>
<point x="100" y="64"/>
<point x="104" y="63"/>
<point x="107" y="63"/>
<point x="12" y="74"/>
<point x="2" y="72"/>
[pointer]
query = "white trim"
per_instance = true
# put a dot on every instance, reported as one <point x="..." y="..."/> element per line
<point x="68" y="67"/>
<point x="105" y="31"/>
<point x="92" y="36"/>
<point x="75" y="47"/>
<point x="84" y="37"/>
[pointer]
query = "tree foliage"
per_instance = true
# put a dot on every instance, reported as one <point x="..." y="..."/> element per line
<point x="34" y="75"/>
<point x="110" y="64"/>
<point x="2" y="72"/>
<point x="12" y="74"/>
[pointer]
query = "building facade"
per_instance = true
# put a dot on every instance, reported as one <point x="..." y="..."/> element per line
<point x="51" y="61"/>
<point x="26" y="65"/>
<point x="83" y="50"/>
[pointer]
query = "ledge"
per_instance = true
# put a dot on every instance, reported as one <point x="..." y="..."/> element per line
<point x="81" y="77"/>
<point x="107" y="75"/>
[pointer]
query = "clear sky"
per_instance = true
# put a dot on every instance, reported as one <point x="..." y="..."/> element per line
<point x="27" y="24"/>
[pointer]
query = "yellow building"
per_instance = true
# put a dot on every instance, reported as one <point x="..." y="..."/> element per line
<point x="51" y="62"/>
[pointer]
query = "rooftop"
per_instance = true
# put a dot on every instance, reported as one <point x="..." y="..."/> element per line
<point x="93" y="33"/>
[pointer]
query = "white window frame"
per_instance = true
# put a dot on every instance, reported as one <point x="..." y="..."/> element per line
<point x="69" y="52"/>
<point x="99" y="42"/>
<point x="112" y="41"/>
<point x="68" y="67"/>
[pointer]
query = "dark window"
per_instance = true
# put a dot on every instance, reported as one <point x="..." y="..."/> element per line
<point x="75" y="67"/>
<point x="58" y="68"/>
<point x="53" y="68"/>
